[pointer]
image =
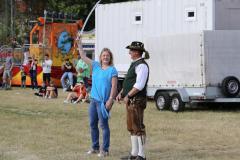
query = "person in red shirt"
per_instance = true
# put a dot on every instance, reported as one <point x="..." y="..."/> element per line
<point x="79" y="93"/>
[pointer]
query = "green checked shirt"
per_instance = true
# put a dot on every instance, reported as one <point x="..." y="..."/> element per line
<point x="86" y="69"/>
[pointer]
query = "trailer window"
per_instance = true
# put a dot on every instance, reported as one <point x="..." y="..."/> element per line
<point x="190" y="14"/>
<point x="137" y="18"/>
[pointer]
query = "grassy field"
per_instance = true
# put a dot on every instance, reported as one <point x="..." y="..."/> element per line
<point x="33" y="128"/>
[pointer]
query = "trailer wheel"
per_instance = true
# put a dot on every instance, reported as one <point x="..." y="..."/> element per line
<point x="176" y="103"/>
<point x="230" y="86"/>
<point x="162" y="100"/>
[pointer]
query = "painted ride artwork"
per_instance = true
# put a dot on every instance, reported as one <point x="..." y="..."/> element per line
<point x="57" y="39"/>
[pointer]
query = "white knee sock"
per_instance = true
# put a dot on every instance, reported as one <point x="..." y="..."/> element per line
<point x="134" y="140"/>
<point x="141" y="144"/>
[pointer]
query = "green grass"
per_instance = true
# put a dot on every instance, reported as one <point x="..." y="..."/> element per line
<point x="33" y="128"/>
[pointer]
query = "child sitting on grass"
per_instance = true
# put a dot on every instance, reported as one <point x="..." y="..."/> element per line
<point x="79" y="93"/>
<point x="51" y="91"/>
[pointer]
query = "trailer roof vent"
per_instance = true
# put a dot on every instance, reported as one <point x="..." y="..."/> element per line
<point x="190" y="14"/>
<point x="137" y="18"/>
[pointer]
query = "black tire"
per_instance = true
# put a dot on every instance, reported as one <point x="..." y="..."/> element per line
<point x="230" y="86"/>
<point x="176" y="103"/>
<point x="162" y="101"/>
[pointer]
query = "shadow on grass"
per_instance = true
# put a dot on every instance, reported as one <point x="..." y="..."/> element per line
<point x="214" y="107"/>
<point x="211" y="107"/>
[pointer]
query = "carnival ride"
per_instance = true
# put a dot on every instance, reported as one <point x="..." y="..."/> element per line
<point x="48" y="36"/>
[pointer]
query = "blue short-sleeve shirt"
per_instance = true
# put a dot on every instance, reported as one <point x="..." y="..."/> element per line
<point x="102" y="81"/>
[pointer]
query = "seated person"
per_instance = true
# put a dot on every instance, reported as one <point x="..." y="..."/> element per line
<point x="79" y="93"/>
<point x="41" y="91"/>
<point x="88" y="96"/>
<point x="51" y="91"/>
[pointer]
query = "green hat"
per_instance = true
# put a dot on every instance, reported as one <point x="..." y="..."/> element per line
<point x="136" y="46"/>
<point x="139" y="46"/>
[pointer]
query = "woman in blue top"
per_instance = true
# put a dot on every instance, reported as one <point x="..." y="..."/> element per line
<point x="104" y="90"/>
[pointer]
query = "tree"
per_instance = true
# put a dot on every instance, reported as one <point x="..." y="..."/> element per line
<point x="80" y="8"/>
<point x="35" y="8"/>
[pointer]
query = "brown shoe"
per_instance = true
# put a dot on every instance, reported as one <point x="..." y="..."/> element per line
<point x="140" y="158"/>
<point x="129" y="157"/>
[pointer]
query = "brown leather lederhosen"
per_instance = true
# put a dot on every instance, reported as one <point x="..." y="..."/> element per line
<point x="135" y="113"/>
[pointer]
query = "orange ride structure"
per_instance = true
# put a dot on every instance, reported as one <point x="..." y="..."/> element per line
<point x="57" y="39"/>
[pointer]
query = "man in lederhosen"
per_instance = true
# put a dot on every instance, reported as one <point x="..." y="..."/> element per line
<point x="134" y="96"/>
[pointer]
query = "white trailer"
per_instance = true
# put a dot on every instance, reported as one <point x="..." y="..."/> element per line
<point x="194" y="47"/>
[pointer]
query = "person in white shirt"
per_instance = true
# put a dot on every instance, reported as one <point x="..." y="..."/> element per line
<point x="46" y="66"/>
<point x="134" y="96"/>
